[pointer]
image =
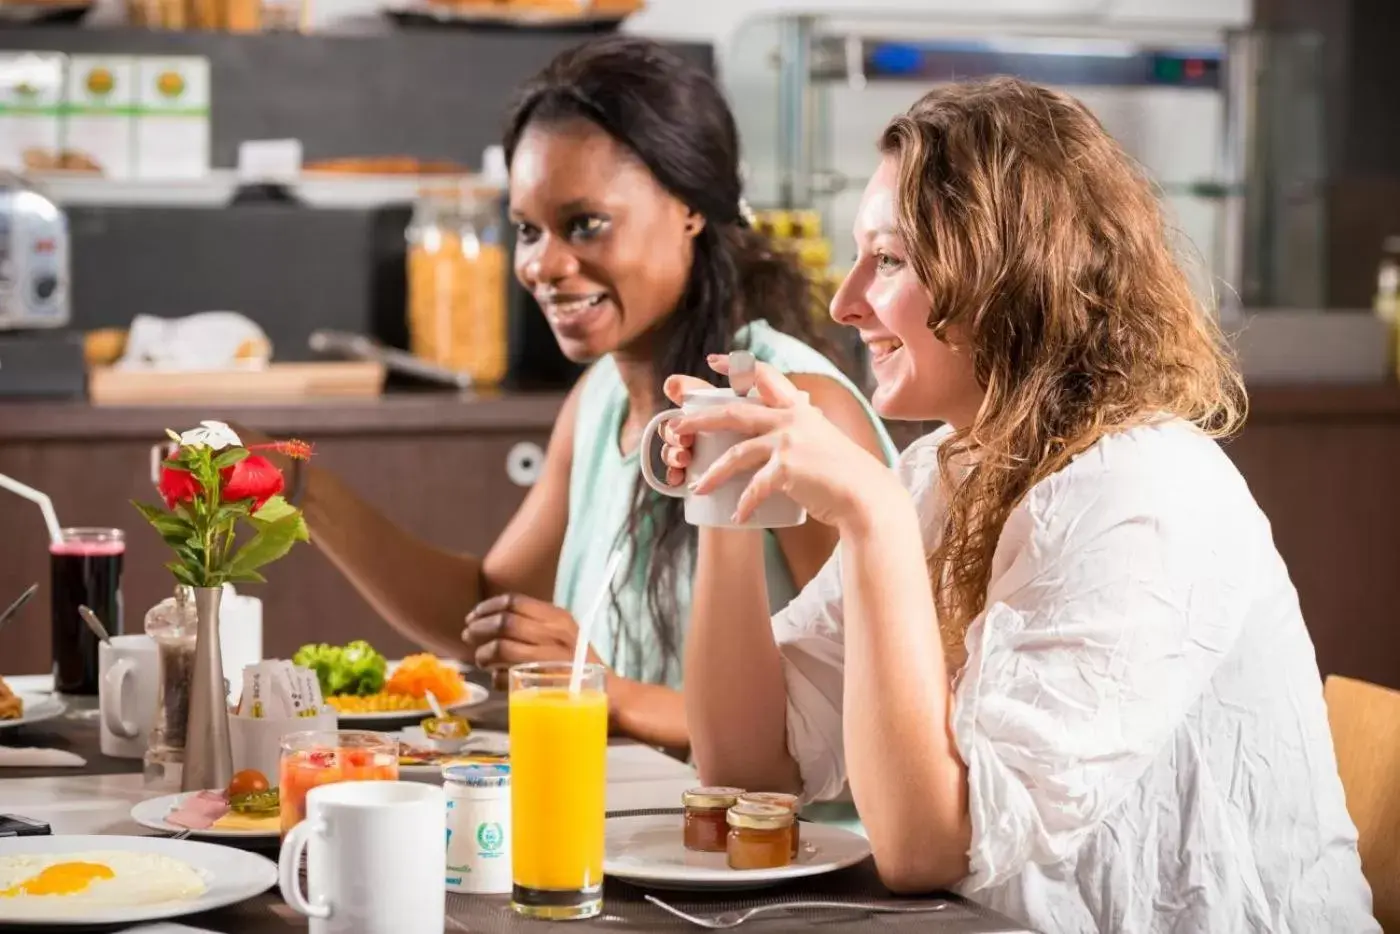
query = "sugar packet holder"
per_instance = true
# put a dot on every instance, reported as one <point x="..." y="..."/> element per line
<point x="277" y="689"/>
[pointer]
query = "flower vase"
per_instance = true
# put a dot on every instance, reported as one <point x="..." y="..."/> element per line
<point x="208" y="751"/>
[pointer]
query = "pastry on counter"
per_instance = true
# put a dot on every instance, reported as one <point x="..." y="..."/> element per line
<point x="385" y="165"/>
<point x="37" y="159"/>
<point x="11" y="706"/>
<point x="104" y="346"/>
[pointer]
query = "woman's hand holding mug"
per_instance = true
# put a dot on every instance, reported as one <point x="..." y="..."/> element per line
<point x="789" y="450"/>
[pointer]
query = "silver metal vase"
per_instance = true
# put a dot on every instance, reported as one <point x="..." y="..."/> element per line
<point x="208" y="752"/>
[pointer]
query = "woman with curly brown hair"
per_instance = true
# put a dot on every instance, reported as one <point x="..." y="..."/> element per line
<point x="1056" y="660"/>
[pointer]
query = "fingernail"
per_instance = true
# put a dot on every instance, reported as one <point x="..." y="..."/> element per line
<point x="735" y="518"/>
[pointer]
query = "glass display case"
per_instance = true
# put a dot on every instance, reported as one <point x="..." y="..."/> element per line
<point x="1228" y="124"/>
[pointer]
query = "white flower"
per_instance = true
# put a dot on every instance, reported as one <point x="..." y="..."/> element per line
<point x="213" y="435"/>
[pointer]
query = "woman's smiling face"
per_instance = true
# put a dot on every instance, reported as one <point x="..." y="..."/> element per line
<point x="602" y="246"/>
<point x="919" y="377"/>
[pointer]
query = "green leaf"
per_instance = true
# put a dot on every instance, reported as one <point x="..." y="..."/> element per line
<point x="275" y="508"/>
<point x="229" y="513"/>
<point x="272" y="541"/>
<point x="229" y="457"/>
<point x="173" y="435"/>
<point x="245" y="577"/>
<point x="182" y="574"/>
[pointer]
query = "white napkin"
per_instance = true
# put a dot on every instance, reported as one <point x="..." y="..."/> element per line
<point x="209" y="340"/>
<point x="30" y="757"/>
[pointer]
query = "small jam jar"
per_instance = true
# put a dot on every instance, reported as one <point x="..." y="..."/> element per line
<point x="782" y="800"/>
<point x="706" y="829"/>
<point x="760" y="836"/>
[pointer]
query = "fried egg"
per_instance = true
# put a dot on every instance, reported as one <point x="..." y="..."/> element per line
<point x="69" y="884"/>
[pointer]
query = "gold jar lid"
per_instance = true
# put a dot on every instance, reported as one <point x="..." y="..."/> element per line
<point x="769" y="797"/>
<point x="714" y="797"/>
<point x="760" y="816"/>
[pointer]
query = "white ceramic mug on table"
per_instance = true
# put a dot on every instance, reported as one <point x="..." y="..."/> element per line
<point x="715" y="508"/>
<point x="128" y="672"/>
<point x="375" y="853"/>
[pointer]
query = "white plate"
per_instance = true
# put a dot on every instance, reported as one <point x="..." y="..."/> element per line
<point x="37" y="707"/>
<point x="649" y="851"/>
<point x="151" y="814"/>
<point x="231" y="876"/>
<point x="475" y="695"/>
<point x="489" y="742"/>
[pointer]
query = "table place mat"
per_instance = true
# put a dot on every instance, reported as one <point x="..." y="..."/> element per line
<point x="76" y="731"/>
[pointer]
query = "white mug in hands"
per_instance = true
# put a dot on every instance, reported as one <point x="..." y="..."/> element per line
<point x="375" y="853"/>
<point x="715" y="508"/>
<point x="128" y="672"/>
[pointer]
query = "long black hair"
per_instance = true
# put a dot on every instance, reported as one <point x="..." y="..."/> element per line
<point x="671" y="116"/>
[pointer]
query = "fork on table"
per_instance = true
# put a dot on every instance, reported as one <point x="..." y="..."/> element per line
<point x="732" y="919"/>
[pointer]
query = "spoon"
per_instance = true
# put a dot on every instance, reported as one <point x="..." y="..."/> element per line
<point x="14" y="608"/>
<point x="437" y="707"/>
<point x="446" y="744"/>
<point x="94" y="624"/>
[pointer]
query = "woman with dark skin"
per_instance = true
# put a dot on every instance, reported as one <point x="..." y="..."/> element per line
<point x="625" y="194"/>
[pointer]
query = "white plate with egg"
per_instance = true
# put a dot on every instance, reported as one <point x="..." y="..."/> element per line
<point x="37" y="707"/>
<point x="90" y="880"/>
<point x="152" y="812"/>
<point x="649" y="851"/>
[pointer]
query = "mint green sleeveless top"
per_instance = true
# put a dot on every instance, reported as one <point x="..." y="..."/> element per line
<point x="601" y="488"/>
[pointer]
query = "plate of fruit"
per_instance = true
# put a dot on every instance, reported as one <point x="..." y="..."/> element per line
<point x="365" y="690"/>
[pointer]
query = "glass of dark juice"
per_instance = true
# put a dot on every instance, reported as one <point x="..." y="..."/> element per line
<point x="85" y="569"/>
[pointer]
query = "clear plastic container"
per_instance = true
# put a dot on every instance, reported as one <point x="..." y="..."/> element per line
<point x="457" y="281"/>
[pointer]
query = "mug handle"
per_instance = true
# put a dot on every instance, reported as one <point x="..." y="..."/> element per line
<point x="289" y="869"/>
<point x="111" y="700"/>
<point x="649" y="436"/>
<point x="159" y="452"/>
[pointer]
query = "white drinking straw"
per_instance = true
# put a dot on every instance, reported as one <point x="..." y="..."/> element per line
<point x="585" y="625"/>
<point x="34" y="496"/>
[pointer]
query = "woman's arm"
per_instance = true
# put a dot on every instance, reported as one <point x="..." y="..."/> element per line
<point x="903" y="768"/>
<point x="730" y="641"/>
<point x="908" y="781"/>
<point x="423" y="591"/>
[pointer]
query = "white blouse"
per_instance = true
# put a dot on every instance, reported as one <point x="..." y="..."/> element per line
<point x="1140" y="712"/>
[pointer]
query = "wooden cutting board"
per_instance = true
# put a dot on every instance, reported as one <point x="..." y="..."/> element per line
<point x="278" y="382"/>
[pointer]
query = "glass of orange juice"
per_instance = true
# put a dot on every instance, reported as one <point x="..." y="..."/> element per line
<point x="558" y="757"/>
<point x="320" y="757"/>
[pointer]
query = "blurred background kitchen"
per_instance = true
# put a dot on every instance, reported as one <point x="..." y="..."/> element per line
<point x="289" y="214"/>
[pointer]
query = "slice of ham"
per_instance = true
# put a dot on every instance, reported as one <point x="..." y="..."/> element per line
<point x="199" y="811"/>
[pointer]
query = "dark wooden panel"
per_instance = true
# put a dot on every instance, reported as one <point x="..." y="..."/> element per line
<point x="1320" y="461"/>
<point x="448" y="488"/>
<point x="1330" y="492"/>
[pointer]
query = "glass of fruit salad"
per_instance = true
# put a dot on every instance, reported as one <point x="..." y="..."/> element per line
<point x="320" y="757"/>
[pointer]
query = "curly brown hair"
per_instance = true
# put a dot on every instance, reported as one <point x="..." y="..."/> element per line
<point x="1045" y="255"/>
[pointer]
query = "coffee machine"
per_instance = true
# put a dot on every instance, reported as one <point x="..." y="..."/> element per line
<point x="39" y="355"/>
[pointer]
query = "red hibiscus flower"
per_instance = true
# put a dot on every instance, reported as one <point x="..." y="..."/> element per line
<point x="177" y="486"/>
<point x="255" y="478"/>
